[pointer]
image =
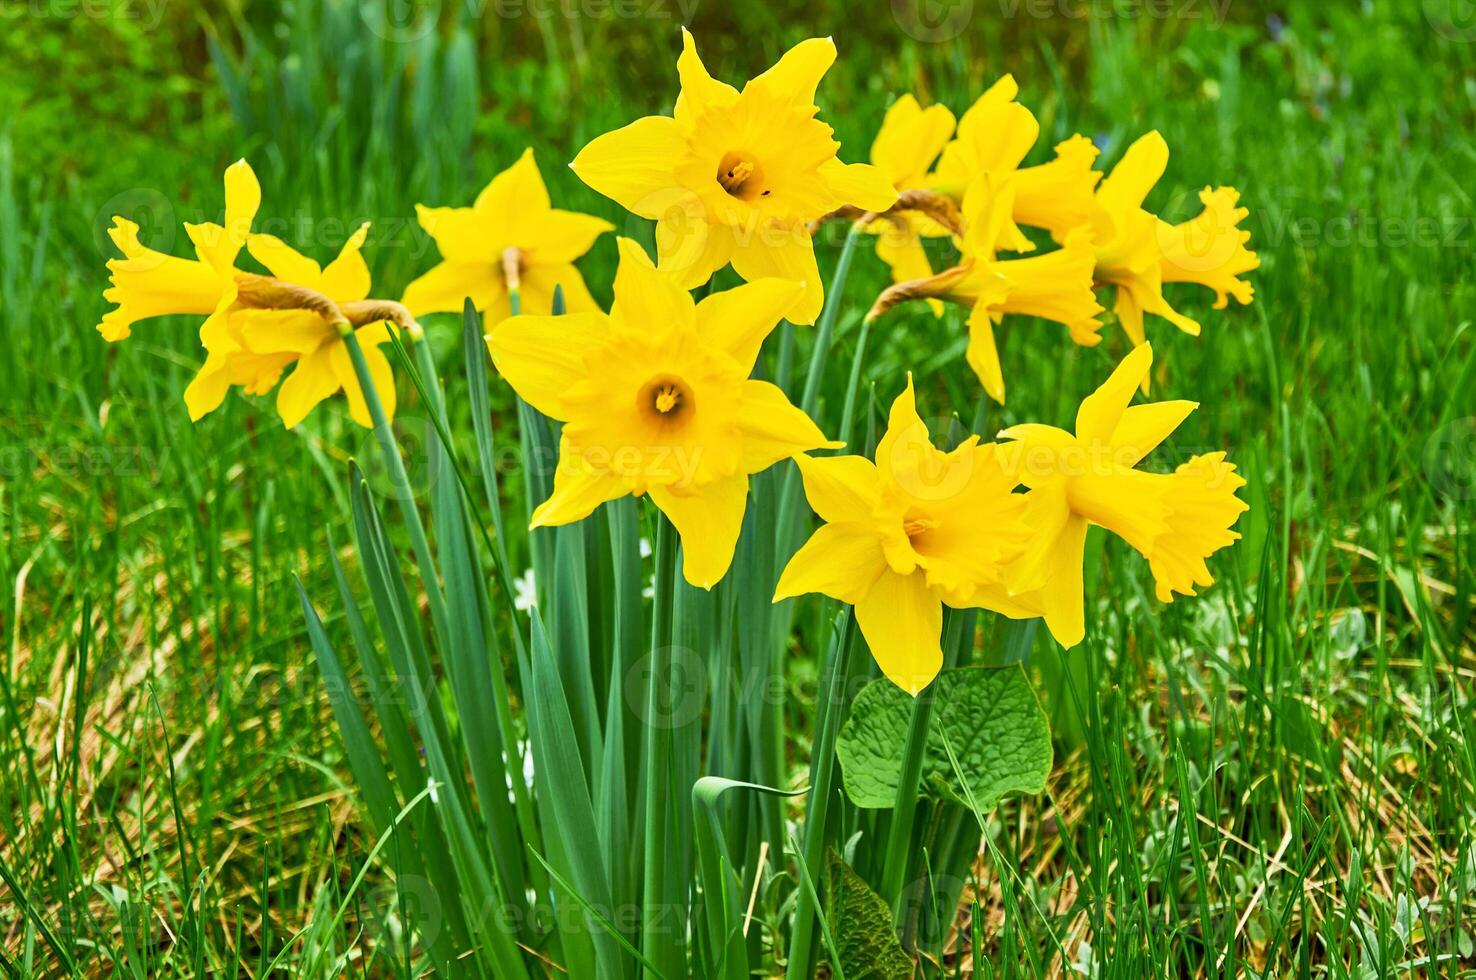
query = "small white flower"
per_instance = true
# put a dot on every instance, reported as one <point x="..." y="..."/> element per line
<point x="645" y="547"/>
<point x="525" y="592"/>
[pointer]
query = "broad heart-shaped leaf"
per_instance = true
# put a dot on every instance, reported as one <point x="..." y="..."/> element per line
<point x="861" y="924"/>
<point x="994" y="726"/>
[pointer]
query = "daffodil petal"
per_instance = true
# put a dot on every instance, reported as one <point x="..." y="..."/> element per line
<point x="841" y="489"/>
<point x="708" y="522"/>
<point x="514" y="198"/>
<point x="634" y="165"/>
<point x="1063" y="597"/>
<point x="797" y="73"/>
<point x="311" y="381"/>
<point x="773" y="429"/>
<point x="690" y="247"/>
<point x="859" y="184"/>
<point x="446" y="288"/>
<point x="842" y="561"/>
<point x="543" y="356"/>
<point x="738" y="319"/>
<point x="1143" y="427"/>
<point x="785" y="253"/>
<point x="982" y="353"/>
<point x="700" y="91"/>
<point x="284" y="261"/>
<point x="461" y="234"/>
<point x="242" y="200"/>
<point x="910" y="139"/>
<point x="562" y="236"/>
<point x="645" y="298"/>
<point x="578" y="489"/>
<point x="346" y="279"/>
<point x="1140" y="168"/>
<point x="902" y="621"/>
<point x="539" y="282"/>
<point x="1102" y="409"/>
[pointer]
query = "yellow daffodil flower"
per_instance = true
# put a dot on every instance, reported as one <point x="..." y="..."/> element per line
<point x="655" y="398"/>
<point x="918" y="529"/>
<point x="737" y="176"/>
<point x="905" y="147"/>
<point x="256" y="326"/>
<point x="1138" y="252"/>
<point x="1054" y="286"/>
<point x="1175" y="520"/>
<point x="993" y="139"/>
<point x="510" y="239"/>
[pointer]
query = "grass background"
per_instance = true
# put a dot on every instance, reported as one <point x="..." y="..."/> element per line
<point x="1278" y="778"/>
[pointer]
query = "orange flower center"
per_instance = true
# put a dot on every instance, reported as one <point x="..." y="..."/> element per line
<point x="740" y="176"/>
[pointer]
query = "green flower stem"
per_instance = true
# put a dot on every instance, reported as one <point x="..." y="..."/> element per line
<point x="853" y="385"/>
<point x="400" y="482"/>
<point x="826" y="327"/>
<point x="501" y="698"/>
<point x="959" y="628"/>
<point x="828" y="714"/>
<point x="658" y="945"/>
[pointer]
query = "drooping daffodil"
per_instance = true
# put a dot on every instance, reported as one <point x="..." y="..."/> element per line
<point x="1090" y="476"/>
<point x="1138" y="252"/>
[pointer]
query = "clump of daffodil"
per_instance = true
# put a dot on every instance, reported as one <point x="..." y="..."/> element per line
<point x="1138" y="252"/>
<point x="257" y="326"/>
<point x="1054" y="286"/>
<point x="737" y="176"/>
<point x="1175" y="520"/>
<point x="656" y="398"/>
<point x="510" y="241"/>
<point x="994" y="136"/>
<point x="916" y="530"/>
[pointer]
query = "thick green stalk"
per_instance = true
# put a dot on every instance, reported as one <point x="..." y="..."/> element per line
<point x="400" y="483"/>
<point x="828" y="714"/>
<point x="958" y="628"/>
<point x="658" y="945"/>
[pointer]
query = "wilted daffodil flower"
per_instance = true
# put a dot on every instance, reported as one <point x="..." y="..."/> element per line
<point x="1175" y="520"/>
<point x="918" y="529"/>
<point x="737" y="176"/>
<point x="993" y="139"/>
<point x="1055" y="286"/>
<point x="257" y="326"/>
<point x="1138" y="252"/>
<point x="656" y="398"/>
<point x="511" y="240"/>
<point x="908" y="142"/>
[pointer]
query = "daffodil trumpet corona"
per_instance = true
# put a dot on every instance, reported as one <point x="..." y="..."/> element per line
<point x="737" y="176"/>
<point x="656" y="398"/>
<point x="257" y="326"/>
<point x="903" y="536"/>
